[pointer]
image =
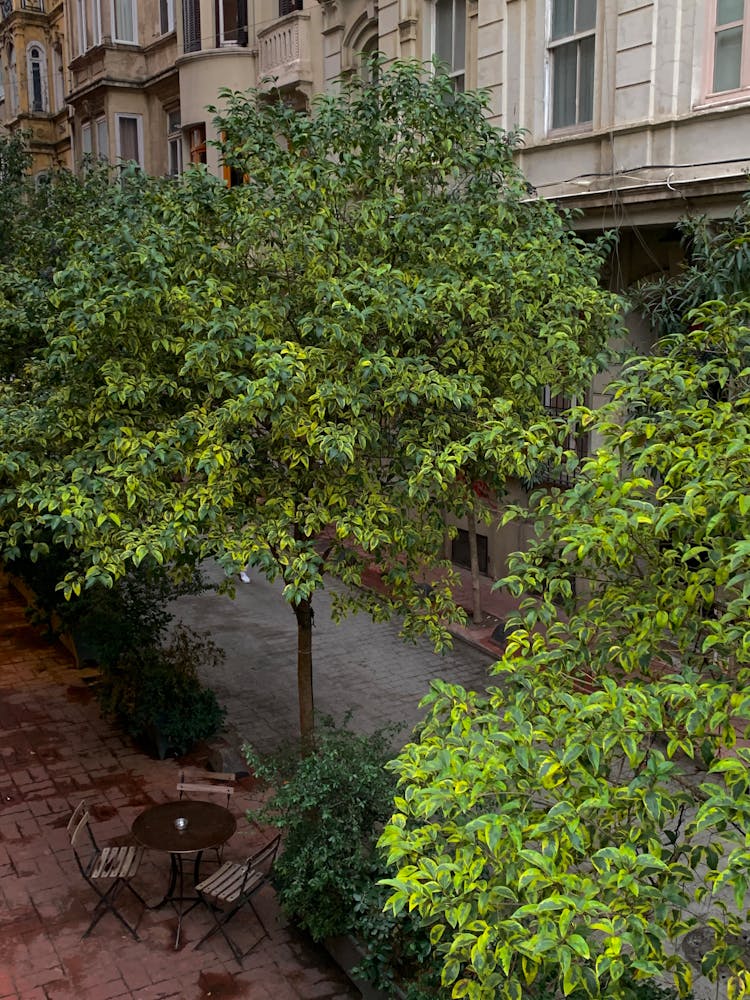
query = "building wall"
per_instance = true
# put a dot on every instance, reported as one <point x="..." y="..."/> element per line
<point x="34" y="81"/>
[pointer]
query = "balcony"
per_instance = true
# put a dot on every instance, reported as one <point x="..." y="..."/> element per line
<point x="284" y="51"/>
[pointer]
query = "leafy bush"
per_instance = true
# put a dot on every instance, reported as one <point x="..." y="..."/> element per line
<point x="157" y="689"/>
<point x="110" y="622"/>
<point x="332" y="805"/>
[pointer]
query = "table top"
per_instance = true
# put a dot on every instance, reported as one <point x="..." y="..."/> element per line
<point x="209" y="825"/>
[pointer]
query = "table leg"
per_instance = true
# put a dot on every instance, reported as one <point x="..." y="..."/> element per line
<point x="169" y="894"/>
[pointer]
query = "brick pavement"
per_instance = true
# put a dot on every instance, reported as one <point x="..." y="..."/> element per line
<point x="56" y="749"/>
<point x="358" y="665"/>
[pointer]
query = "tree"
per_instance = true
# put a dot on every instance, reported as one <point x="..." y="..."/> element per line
<point x="294" y="372"/>
<point x="552" y="832"/>
<point x="551" y="842"/>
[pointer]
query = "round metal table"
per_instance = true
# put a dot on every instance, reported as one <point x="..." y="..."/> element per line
<point x="209" y="825"/>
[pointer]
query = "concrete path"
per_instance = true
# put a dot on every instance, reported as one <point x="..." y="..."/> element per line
<point x="358" y="665"/>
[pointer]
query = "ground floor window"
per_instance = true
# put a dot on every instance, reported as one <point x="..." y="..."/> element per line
<point x="129" y="138"/>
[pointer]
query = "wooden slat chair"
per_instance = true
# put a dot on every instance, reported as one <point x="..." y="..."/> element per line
<point x="233" y="886"/>
<point x="214" y="783"/>
<point x="106" y="869"/>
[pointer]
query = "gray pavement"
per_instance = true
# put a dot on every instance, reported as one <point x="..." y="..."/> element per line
<point x="357" y="664"/>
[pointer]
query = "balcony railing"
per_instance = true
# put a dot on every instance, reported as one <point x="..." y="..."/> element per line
<point x="284" y="50"/>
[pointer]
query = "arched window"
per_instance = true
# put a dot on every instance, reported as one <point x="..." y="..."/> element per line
<point x="37" y="70"/>
<point x="367" y="70"/>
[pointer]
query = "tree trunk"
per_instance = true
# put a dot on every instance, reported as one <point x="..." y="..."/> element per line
<point x="304" y="615"/>
<point x="474" y="563"/>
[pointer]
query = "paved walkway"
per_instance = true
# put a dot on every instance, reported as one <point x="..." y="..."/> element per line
<point x="55" y="749"/>
<point x="358" y="665"/>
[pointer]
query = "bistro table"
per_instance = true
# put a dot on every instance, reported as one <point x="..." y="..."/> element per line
<point x="209" y="825"/>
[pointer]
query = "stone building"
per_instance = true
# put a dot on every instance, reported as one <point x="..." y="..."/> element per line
<point x="33" y="78"/>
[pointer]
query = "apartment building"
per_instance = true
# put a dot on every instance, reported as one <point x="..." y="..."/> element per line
<point x="33" y="78"/>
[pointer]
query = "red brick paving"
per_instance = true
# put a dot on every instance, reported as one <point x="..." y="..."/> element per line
<point x="56" y="749"/>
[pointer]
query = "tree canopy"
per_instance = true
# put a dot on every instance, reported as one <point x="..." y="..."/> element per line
<point x="293" y="372"/>
<point x="573" y="827"/>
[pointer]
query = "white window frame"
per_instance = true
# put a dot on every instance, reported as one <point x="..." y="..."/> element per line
<point x="87" y="140"/>
<point x="221" y="41"/>
<point x="82" y="33"/>
<point x="102" y="138"/>
<point x="174" y="143"/>
<point x="458" y="9"/>
<point x="58" y="80"/>
<point x="41" y="60"/>
<point x="166" y="16"/>
<point x="713" y="31"/>
<point x="134" y="17"/>
<point x="579" y="124"/>
<point x="118" y="153"/>
<point x="97" y="11"/>
<point x="13" y="79"/>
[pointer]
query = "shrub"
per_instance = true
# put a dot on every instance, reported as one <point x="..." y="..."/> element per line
<point x="156" y="690"/>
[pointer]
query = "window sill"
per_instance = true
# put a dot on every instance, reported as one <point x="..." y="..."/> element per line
<point x="727" y="98"/>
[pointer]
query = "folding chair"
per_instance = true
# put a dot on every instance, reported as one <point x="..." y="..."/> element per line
<point x="112" y="867"/>
<point x="233" y="886"/>
<point x="213" y="783"/>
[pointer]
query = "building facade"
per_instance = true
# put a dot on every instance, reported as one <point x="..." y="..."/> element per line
<point x="33" y="78"/>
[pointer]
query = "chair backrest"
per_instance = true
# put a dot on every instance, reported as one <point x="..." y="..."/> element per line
<point x="75" y="824"/>
<point x="215" y="783"/>
<point x="78" y="823"/>
<point x="262" y="861"/>
<point x="258" y="866"/>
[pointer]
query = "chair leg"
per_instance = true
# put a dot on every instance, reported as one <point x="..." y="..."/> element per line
<point x="221" y="918"/>
<point x="105" y="904"/>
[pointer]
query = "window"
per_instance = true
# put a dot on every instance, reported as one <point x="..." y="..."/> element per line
<point x="13" y="79"/>
<point x="191" y="25"/>
<point x="125" y="20"/>
<point x="731" y="46"/>
<point x="129" y="138"/>
<point x="166" y="16"/>
<point x="558" y="406"/>
<point x="288" y="6"/>
<point x="197" y="139"/>
<point x="368" y="69"/>
<point x="97" y="22"/>
<point x="58" y="80"/>
<point x="2" y="79"/>
<point x="82" y="35"/>
<point x="37" y="71"/>
<point x="231" y="22"/>
<point x="102" y="139"/>
<point x="571" y="51"/>
<point x="460" y="551"/>
<point x="174" y="144"/>
<point x="86" y="143"/>
<point x="450" y="38"/>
